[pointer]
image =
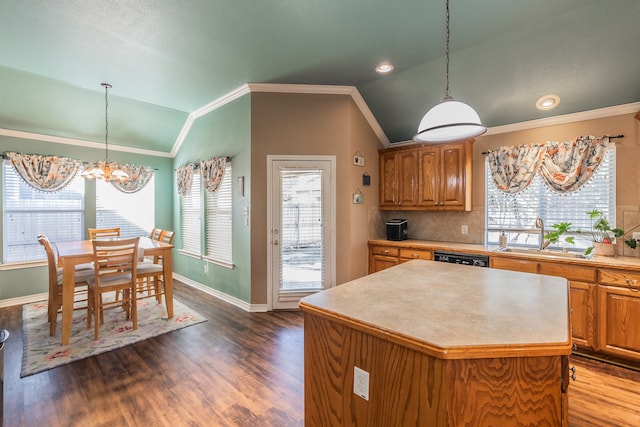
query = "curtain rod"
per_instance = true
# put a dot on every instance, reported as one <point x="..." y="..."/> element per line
<point x="610" y="137"/>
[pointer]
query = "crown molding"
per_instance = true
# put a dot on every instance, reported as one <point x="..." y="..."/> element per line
<point x="282" y="88"/>
<point x="78" y="142"/>
<point x="599" y="113"/>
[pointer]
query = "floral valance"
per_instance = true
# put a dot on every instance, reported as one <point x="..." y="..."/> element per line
<point x="44" y="173"/>
<point x="212" y="171"/>
<point x="563" y="166"/>
<point x="139" y="177"/>
<point x="185" y="178"/>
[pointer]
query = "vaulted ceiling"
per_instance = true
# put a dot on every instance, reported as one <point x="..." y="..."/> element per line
<point x="167" y="58"/>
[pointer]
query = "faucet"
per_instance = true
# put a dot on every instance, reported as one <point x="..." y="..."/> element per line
<point x="540" y="225"/>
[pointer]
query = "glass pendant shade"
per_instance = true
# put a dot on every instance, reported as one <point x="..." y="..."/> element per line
<point x="448" y="121"/>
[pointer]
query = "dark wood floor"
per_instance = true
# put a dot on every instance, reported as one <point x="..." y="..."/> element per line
<point x="237" y="369"/>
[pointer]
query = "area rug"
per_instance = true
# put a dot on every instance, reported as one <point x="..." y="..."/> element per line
<point x="42" y="352"/>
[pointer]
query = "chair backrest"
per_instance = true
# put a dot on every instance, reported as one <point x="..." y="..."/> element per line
<point x="115" y="258"/>
<point x="167" y="236"/>
<point x="51" y="259"/>
<point x="155" y="234"/>
<point x="95" y="233"/>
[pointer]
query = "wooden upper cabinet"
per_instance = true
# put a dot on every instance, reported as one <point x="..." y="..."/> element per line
<point x="427" y="177"/>
<point x="388" y="179"/>
<point x="408" y="182"/>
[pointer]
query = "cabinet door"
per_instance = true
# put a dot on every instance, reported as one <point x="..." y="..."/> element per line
<point x="407" y="177"/>
<point x="429" y="181"/>
<point x="453" y="176"/>
<point x="388" y="180"/>
<point x="583" y="302"/>
<point x="379" y="262"/>
<point x="618" y="320"/>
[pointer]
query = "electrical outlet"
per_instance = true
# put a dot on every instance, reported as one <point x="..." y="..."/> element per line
<point x="636" y="235"/>
<point x="464" y="229"/>
<point x="361" y="383"/>
<point x="206" y="268"/>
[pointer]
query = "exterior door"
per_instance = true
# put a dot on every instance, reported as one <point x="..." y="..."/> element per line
<point x="302" y="241"/>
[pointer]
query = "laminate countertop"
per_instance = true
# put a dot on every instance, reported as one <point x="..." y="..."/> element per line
<point x="454" y="311"/>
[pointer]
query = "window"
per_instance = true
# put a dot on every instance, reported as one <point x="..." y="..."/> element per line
<point x="519" y="212"/>
<point x="190" y="216"/>
<point x="219" y="224"/>
<point x="134" y="213"/>
<point x="28" y="212"/>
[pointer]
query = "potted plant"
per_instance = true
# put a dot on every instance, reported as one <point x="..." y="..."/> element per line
<point x="602" y="236"/>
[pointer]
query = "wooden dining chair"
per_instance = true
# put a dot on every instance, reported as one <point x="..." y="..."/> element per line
<point x="115" y="270"/>
<point x="155" y="234"/>
<point x="150" y="271"/>
<point x="82" y="274"/>
<point x="96" y="233"/>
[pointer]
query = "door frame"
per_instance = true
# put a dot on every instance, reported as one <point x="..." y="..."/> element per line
<point x="331" y="245"/>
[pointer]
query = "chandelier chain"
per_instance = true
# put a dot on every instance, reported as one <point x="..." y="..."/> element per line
<point x="106" y="120"/>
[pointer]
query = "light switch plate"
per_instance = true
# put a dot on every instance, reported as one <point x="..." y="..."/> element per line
<point x="361" y="383"/>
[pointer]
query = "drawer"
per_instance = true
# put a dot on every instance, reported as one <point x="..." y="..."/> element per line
<point x="409" y="253"/>
<point x="568" y="271"/>
<point x="385" y="250"/>
<point x="620" y="278"/>
<point x="514" y="264"/>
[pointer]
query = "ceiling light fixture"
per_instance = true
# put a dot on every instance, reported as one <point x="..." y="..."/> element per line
<point x="548" y="101"/>
<point x="384" y="68"/>
<point x="105" y="170"/>
<point x="450" y="120"/>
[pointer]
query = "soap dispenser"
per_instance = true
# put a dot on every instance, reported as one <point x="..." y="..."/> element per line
<point x="503" y="240"/>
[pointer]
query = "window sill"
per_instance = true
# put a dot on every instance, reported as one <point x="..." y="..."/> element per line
<point x="189" y="254"/>
<point x="23" y="264"/>
<point x="220" y="263"/>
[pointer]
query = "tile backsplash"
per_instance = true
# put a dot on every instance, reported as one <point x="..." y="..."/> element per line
<point x="447" y="226"/>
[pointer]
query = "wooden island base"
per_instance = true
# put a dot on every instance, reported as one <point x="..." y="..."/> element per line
<point x="410" y="388"/>
<point x="443" y="345"/>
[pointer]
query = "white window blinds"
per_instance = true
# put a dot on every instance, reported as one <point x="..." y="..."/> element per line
<point x="28" y="212"/>
<point x="519" y="212"/>
<point x="219" y="221"/>
<point x="190" y="217"/>
<point x="134" y="213"/>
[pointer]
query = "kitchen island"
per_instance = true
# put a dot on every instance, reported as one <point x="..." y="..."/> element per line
<point x="440" y="345"/>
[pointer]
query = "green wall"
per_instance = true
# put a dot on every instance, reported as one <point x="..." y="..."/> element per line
<point x="223" y="132"/>
<point x="25" y="281"/>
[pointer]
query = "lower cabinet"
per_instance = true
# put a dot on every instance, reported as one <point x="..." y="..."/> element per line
<point x="618" y="321"/>
<point x="582" y="297"/>
<point x="381" y="257"/>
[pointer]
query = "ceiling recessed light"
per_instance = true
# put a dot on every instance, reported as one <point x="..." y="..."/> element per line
<point x="548" y="102"/>
<point x="384" y="68"/>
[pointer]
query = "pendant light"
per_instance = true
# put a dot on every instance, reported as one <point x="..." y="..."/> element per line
<point x="105" y="170"/>
<point x="450" y="120"/>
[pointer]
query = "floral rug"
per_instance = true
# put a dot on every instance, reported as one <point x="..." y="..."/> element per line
<point x="42" y="352"/>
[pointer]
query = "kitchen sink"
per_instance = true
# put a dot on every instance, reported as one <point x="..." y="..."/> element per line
<point x="544" y="252"/>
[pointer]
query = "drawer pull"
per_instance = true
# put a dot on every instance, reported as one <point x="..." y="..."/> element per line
<point x="386" y="251"/>
<point x="415" y="256"/>
<point x="572" y="373"/>
<point x="630" y="282"/>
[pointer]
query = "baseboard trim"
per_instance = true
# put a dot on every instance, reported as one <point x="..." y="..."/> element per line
<point x="251" y="308"/>
<point x="27" y="299"/>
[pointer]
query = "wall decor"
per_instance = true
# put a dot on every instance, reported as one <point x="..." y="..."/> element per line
<point x="358" y="159"/>
<point x="358" y="197"/>
<point x="366" y="179"/>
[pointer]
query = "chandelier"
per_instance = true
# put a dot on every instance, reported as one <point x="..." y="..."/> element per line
<point x="104" y="169"/>
<point x="450" y="120"/>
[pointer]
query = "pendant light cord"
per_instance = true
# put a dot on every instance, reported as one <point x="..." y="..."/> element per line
<point x="446" y="52"/>
<point x="106" y="120"/>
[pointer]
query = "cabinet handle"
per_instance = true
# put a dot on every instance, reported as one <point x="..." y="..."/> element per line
<point x="572" y="374"/>
<point x="630" y="282"/>
<point x="386" y="252"/>
<point x="415" y="256"/>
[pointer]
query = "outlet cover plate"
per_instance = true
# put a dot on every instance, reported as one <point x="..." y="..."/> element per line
<point x="361" y="383"/>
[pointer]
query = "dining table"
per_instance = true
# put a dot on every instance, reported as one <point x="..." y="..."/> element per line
<point x="72" y="253"/>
